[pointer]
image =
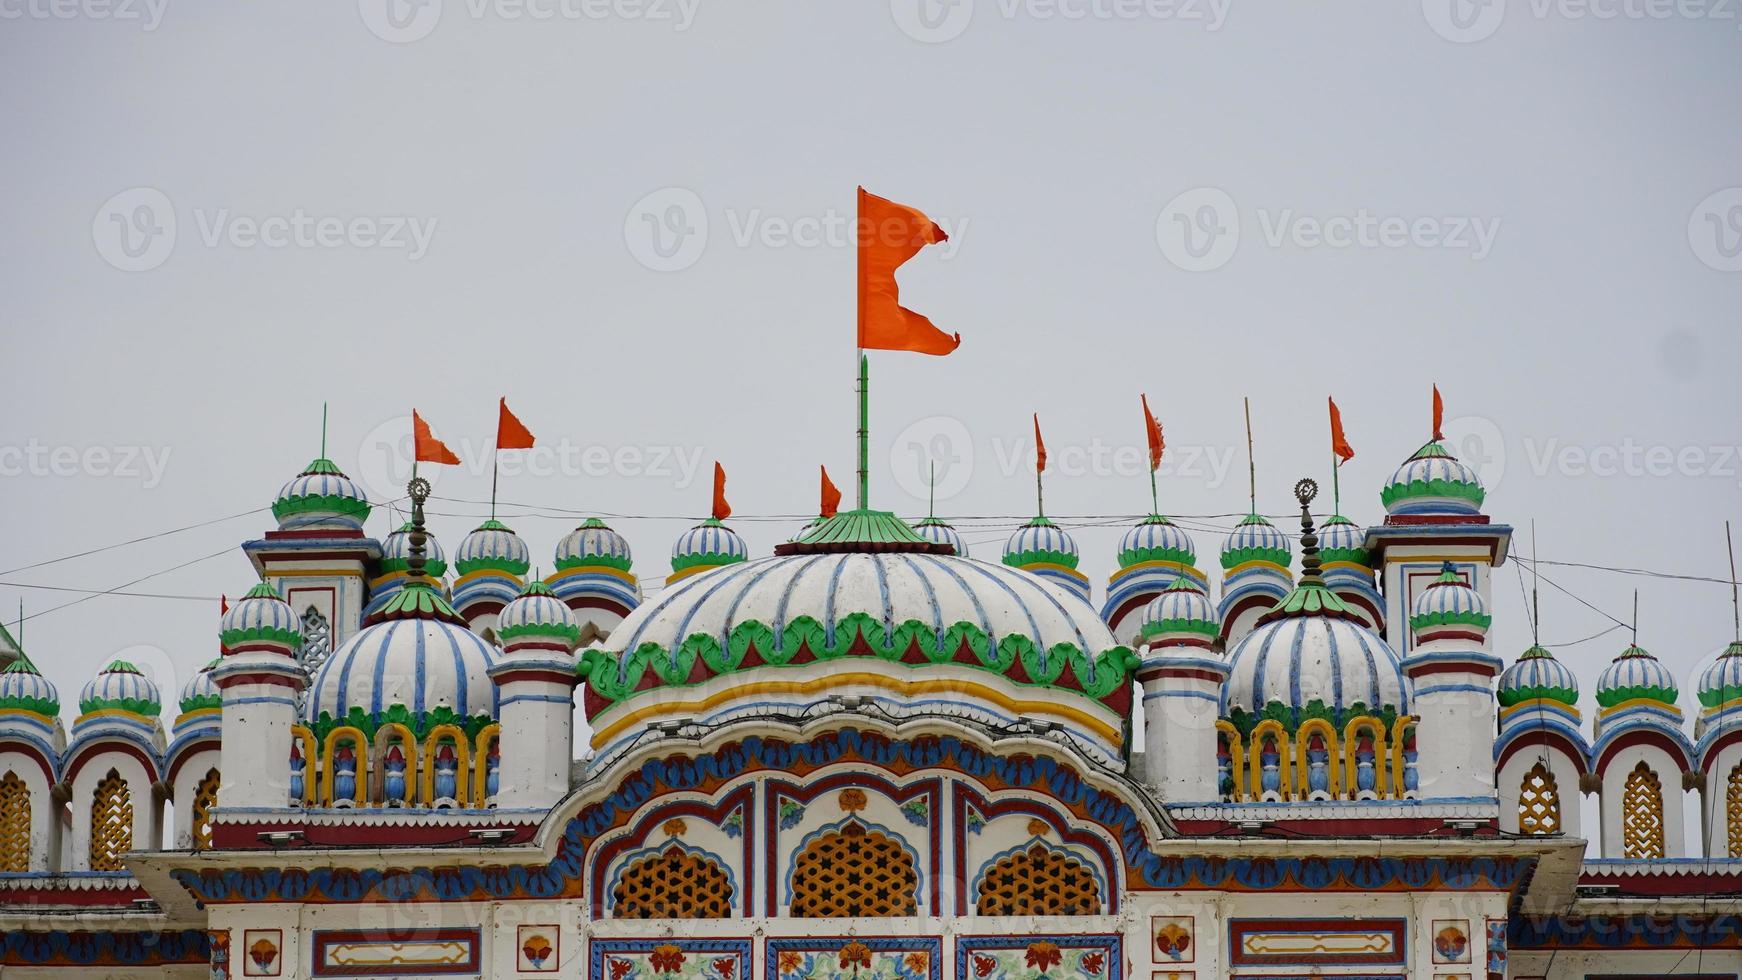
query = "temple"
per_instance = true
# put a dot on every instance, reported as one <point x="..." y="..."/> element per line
<point x="871" y="755"/>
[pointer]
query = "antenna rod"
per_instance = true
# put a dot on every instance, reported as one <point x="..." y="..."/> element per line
<point x="1635" y="617"/>
<point x="1535" y="581"/>
<point x="1251" y="467"/>
<point x="1735" y="607"/>
<point x="323" y="430"/>
<point x="931" y="495"/>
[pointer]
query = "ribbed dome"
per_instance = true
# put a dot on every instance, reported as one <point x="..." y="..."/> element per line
<point x="1256" y="539"/>
<point x="1721" y="682"/>
<point x="423" y="672"/>
<point x="1635" y="675"/>
<point x="260" y="619"/>
<point x="1342" y="540"/>
<point x="1040" y="540"/>
<point x="199" y="692"/>
<point x="709" y="544"/>
<point x="320" y="496"/>
<point x="1182" y="608"/>
<point x="1433" y="481"/>
<point x="1537" y="674"/>
<point x="121" y="687"/>
<point x="595" y="544"/>
<point x="1156" y="539"/>
<point x="1448" y="603"/>
<point x="938" y="532"/>
<point x="538" y="616"/>
<point x="493" y="545"/>
<point x="23" y="688"/>
<point x="1296" y="661"/>
<point x="396" y="553"/>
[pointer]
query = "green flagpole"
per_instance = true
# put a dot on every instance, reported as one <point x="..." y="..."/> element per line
<point x="864" y="431"/>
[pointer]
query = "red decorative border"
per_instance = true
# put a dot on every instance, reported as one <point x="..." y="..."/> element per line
<point x="1238" y="929"/>
<point x="327" y="937"/>
<point x="714" y="813"/>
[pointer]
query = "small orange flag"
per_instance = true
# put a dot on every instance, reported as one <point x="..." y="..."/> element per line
<point x="1039" y="447"/>
<point x="510" y="432"/>
<point x="722" y="510"/>
<point x="1439" y="414"/>
<point x="888" y="235"/>
<point x="831" y="495"/>
<point x="1152" y="428"/>
<point x="427" y="448"/>
<point x="1339" y="442"/>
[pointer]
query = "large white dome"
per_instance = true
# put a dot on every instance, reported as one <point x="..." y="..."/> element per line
<point x="1298" y="660"/>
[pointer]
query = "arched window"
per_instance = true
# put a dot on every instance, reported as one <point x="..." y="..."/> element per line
<point x="673" y="884"/>
<point x="1733" y="811"/>
<point x="205" y="798"/>
<point x="1642" y="814"/>
<point x="14" y="824"/>
<point x="1038" y="881"/>
<point x="1539" y="802"/>
<point x="111" y="823"/>
<point x="851" y="872"/>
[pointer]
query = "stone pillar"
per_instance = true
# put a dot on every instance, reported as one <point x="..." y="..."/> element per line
<point x="259" y="678"/>
<point x="1182" y="689"/>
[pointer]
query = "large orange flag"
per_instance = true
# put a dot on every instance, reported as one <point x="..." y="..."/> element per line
<point x="888" y="235"/>
<point x="1152" y="428"/>
<point x="1039" y="447"/>
<point x="510" y="432"/>
<point x="1439" y="414"/>
<point x="831" y="495"/>
<point x="1339" y="442"/>
<point x="426" y="447"/>
<point x="722" y="510"/>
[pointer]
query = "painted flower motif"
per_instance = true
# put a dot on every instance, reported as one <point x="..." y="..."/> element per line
<point x="853" y="800"/>
<point x="675" y="827"/>
<point x="1093" y="962"/>
<point x="1451" y="944"/>
<point x="855" y="954"/>
<point x="1037" y="828"/>
<point x="984" y="965"/>
<point x="621" y="968"/>
<point x="724" y="967"/>
<point x="537" y="950"/>
<point x="787" y="961"/>
<point x="666" y="958"/>
<point x="263" y="952"/>
<point x="1043" y="956"/>
<point x="918" y="962"/>
<point x="1172" y="941"/>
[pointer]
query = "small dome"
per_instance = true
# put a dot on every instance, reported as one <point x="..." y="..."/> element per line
<point x="1156" y="539"/>
<point x="1041" y="541"/>
<point x="492" y="546"/>
<point x="538" y="615"/>
<point x="1635" y="675"/>
<point x="424" y="671"/>
<point x="320" y="496"/>
<point x="1537" y="674"/>
<point x="199" y="692"/>
<point x="396" y="553"/>
<point x="595" y="544"/>
<point x="709" y="544"/>
<point x="1181" y="608"/>
<point x="121" y="687"/>
<point x="1342" y="540"/>
<point x="1434" y="482"/>
<point x="938" y="532"/>
<point x="1297" y="661"/>
<point x="1448" y="602"/>
<point x="260" y="619"/>
<point x="1256" y="539"/>
<point x="23" y="688"/>
<point x="1721" y="683"/>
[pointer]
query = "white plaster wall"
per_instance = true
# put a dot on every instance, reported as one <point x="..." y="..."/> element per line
<point x="139" y="789"/>
<point x="254" y="750"/>
<point x="1566" y="777"/>
<point x="1179" y="740"/>
<point x="1669" y="777"/>
<point x="44" y="822"/>
<point x="1578" y="964"/>
<point x="1455" y="737"/>
<point x="185" y="788"/>
<point x="537" y="744"/>
<point x="1715" y="825"/>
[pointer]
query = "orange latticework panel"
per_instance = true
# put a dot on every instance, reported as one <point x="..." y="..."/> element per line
<point x="1539" y="802"/>
<point x="1038" y="881"/>
<point x="1733" y="811"/>
<point x="1642" y="814"/>
<point x="205" y="798"/>
<point x="14" y="824"/>
<point x="673" y="884"/>
<point x="111" y="823"/>
<point x="854" y="872"/>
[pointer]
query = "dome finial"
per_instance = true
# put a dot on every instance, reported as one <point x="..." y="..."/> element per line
<point x="418" y="489"/>
<point x="1305" y="491"/>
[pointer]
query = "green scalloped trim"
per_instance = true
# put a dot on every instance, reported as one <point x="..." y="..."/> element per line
<point x="1292" y="718"/>
<point x="1565" y="695"/>
<point x="47" y="707"/>
<point x="567" y="631"/>
<point x="201" y="701"/>
<point x="616" y="681"/>
<point x="398" y="713"/>
<point x="505" y="565"/>
<point x="1173" y="556"/>
<point x="418" y="601"/>
<point x="1433" y="488"/>
<point x="681" y="562"/>
<point x="861" y="527"/>
<point x="606" y="561"/>
<point x="1022" y="558"/>
<point x="138" y="706"/>
<point x="1609" y="699"/>
<point x="1478" y="620"/>
<point x="1198" y="626"/>
<point x="1275" y="556"/>
<point x="272" y="634"/>
<point x="323" y="467"/>
<point x="1309" y="600"/>
<point x="348" y="506"/>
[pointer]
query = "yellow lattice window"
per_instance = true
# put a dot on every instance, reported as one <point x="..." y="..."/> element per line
<point x="1539" y="802"/>
<point x="1038" y="881"/>
<point x="1733" y="811"/>
<point x="1642" y="814"/>
<point x="854" y="871"/>
<point x="673" y="884"/>
<point x="14" y="824"/>
<point x="111" y="823"/>
<point x="205" y="799"/>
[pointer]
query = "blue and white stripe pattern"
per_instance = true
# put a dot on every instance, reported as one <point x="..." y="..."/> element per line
<point x="1535" y="674"/>
<point x="295" y="498"/>
<point x="1432" y="464"/>
<point x="1341" y="539"/>
<point x="1156" y="540"/>
<point x="595" y="544"/>
<point x="117" y="683"/>
<point x="707" y="540"/>
<point x="396" y="553"/>
<point x="1179" y="610"/>
<point x="1721" y="682"/>
<point x="1041" y="540"/>
<point x="1301" y="659"/>
<point x="937" y="532"/>
<point x="544" y="613"/>
<point x="260" y="611"/>
<point x="421" y="664"/>
<point x="1635" y="674"/>
<point x="200" y="692"/>
<point x="26" y="685"/>
<point x="1256" y="539"/>
<point x="492" y="546"/>
<point x="1448" y="602"/>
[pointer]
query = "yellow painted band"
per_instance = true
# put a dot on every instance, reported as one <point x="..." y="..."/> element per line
<point x="310" y="573"/>
<point x="911" y="688"/>
<point x="1255" y="563"/>
<point x="1190" y="571"/>
<point x="592" y="570"/>
<point x="1536" y="703"/>
<point x="1051" y="567"/>
<point x="1639" y="703"/>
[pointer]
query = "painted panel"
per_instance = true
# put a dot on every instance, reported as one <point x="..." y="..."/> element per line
<point x="669" y="959"/>
<point x="1056" y="957"/>
<point x="1317" y="942"/>
<point x="386" y="953"/>
<point x="855" y="958"/>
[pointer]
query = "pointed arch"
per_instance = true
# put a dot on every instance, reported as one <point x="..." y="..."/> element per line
<point x="1733" y="811"/>
<point x="14" y="823"/>
<point x="1038" y="880"/>
<point x="1539" y="802"/>
<point x="854" y="871"/>
<point x="111" y="823"/>
<point x="1642" y="814"/>
<point x="205" y="800"/>
<point x="674" y="883"/>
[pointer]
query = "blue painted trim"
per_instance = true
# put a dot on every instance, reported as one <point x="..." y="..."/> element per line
<point x="1213" y="699"/>
<point x="1455" y="688"/>
<point x="547" y="698"/>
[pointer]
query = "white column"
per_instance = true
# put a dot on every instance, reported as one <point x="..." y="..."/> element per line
<point x="1454" y="739"/>
<point x="1181" y="692"/>
<point x="536" y="711"/>
<point x="259" y="709"/>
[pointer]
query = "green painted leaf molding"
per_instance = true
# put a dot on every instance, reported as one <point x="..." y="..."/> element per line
<point x="1609" y="699"/>
<point x="1174" y="556"/>
<point x="1240" y="556"/>
<point x="272" y="634"/>
<point x="1433" y="488"/>
<point x="1565" y="695"/>
<point x="681" y="562"/>
<point x="398" y="713"/>
<point x="1198" y="626"/>
<point x="1022" y="558"/>
<point x="1244" y="722"/>
<point x="349" y="506"/>
<point x="568" y="631"/>
<point x="1449" y="618"/>
<point x="139" y="706"/>
<point x="607" y="679"/>
<point x="596" y="561"/>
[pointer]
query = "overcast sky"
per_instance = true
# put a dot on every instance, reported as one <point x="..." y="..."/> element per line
<point x="628" y="218"/>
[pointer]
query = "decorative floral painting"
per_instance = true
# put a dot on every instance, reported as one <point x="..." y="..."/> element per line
<point x="1451" y="940"/>
<point x="260" y="952"/>
<point x="856" y="958"/>
<point x="1172" y="938"/>
<point x="538" y="948"/>
<point x="669" y="959"/>
<point x="1084" y="957"/>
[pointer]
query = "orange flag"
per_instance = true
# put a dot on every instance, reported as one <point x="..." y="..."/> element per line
<point x="1439" y="414"/>
<point x="1039" y="447"/>
<point x="1339" y="442"/>
<point x="510" y="432"/>
<point x="1157" y="445"/>
<point x="427" y="448"/>
<point x="722" y="510"/>
<point x="888" y="235"/>
<point x="831" y="495"/>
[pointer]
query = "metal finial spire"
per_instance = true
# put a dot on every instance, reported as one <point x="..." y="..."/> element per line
<point x="1305" y="491"/>
<point x="1635" y="617"/>
<point x="418" y="489"/>
<point x="1735" y="606"/>
<point x="323" y="430"/>
<point x="931" y="496"/>
<point x="1251" y="467"/>
<point x="1535" y="581"/>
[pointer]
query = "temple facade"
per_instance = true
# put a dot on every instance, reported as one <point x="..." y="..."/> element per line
<point x="872" y="755"/>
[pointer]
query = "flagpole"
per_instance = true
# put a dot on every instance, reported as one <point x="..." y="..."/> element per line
<point x="495" y="470"/>
<point x="931" y="497"/>
<point x="323" y="430"/>
<point x="1251" y="467"/>
<point x="1154" y="497"/>
<point x="1336" y="490"/>
<point x="859" y="344"/>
